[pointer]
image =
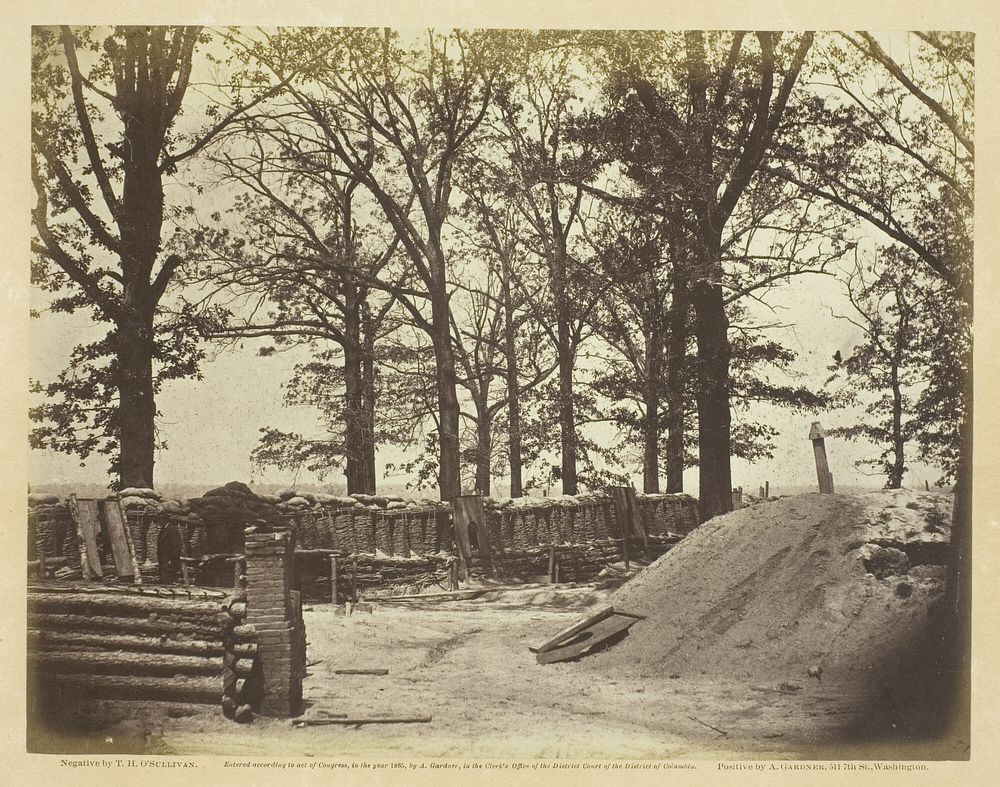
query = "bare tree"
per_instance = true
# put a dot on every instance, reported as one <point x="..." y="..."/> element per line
<point x="103" y="138"/>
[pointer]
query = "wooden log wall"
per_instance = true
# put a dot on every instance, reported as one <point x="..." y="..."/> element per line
<point x="136" y="642"/>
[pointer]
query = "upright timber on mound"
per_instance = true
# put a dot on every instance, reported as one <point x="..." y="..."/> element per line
<point x="584" y="636"/>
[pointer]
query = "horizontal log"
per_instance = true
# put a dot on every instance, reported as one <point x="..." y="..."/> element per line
<point x="141" y="591"/>
<point x="92" y="623"/>
<point x="214" y="623"/>
<point x="244" y="648"/>
<point x="220" y="558"/>
<point x="124" y="663"/>
<point x="74" y="640"/>
<point x="50" y="562"/>
<point x="351" y="721"/>
<point x="198" y="690"/>
<point x="122" y="605"/>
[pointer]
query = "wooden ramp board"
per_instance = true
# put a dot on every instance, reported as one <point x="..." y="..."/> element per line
<point x="555" y="640"/>
<point x="122" y="549"/>
<point x="589" y="638"/>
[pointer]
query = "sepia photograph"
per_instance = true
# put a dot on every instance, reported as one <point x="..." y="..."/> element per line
<point x="500" y="393"/>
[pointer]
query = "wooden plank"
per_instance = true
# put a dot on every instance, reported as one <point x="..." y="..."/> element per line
<point x="576" y="628"/>
<point x="373" y="671"/>
<point x="88" y="525"/>
<point x="358" y="720"/>
<point x="627" y="512"/>
<point x="122" y="548"/>
<point x="469" y="514"/>
<point x="589" y="638"/>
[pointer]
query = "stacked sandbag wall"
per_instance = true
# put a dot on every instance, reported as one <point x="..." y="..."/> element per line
<point x="212" y="527"/>
<point x="366" y="524"/>
<point x="564" y="519"/>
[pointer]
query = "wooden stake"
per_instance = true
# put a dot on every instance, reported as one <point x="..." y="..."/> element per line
<point x="816" y="434"/>
<point x="552" y="565"/>
<point x="333" y="579"/>
<point x="767" y="489"/>
<point x="354" y="580"/>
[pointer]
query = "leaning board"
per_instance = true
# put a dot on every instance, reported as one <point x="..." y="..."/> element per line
<point x="584" y="641"/>
<point x="126" y="566"/>
<point x="88" y="525"/>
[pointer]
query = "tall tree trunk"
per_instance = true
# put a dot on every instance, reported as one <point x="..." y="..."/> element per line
<point x="356" y="465"/>
<point x="136" y="406"/>
<point x="368" y="397"/>
<point x="952" y="690"/>
<point x="140" y="221"/>
<point x="896" y="469"/>
<point x="651" y="421"/>
<point x="484" y="448"/>
<point x="513" y="396"/>
<point x="712" y="332"/>
<point x="449" y="469"/>
<point x="676" y="349"/>
<point x="567" y="412"/>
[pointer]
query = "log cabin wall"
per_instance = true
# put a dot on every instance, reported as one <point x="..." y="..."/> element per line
<point x="244" y="648"/>
<point x="132" y="642"/>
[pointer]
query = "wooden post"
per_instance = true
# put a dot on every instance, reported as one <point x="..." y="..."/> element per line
<point x="816" y="434"/>
<point x="927" y="485"/>
<point x="354" y="581"/>
<point x="552" y="565"/>
<point x="469" y="514"/>
<point x="628" y="518"/>
<point x="767" y="490"/>
<point x="333" y="579"/>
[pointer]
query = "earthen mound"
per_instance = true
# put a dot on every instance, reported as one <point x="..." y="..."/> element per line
<point x="824" y="587"/>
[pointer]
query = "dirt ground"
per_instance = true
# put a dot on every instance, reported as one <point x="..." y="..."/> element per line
<point x="467" y="665"/>
<point x="699" y="678"/>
